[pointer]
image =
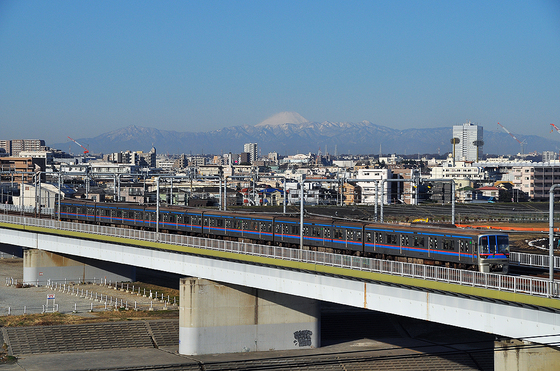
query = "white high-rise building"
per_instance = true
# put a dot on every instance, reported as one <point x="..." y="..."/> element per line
<point x="251" y="149"/>
<point x="470" y="143"/>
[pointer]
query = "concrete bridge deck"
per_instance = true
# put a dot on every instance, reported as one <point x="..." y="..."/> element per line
<point x="515" y="307"/>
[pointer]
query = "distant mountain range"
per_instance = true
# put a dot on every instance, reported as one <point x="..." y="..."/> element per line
<point x="290" y="133"/>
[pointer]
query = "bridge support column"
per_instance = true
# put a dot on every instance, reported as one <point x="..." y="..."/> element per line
<point x="224" y="318"/>
<point x="40" y="265"/>
<point x="10" y="251"/>
<point x="523" y="355"/>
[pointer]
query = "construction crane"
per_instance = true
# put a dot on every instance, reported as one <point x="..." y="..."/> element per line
<point x="514" y="137"/>
<point x="555" y="127"/>
<point x="86" y="151"/>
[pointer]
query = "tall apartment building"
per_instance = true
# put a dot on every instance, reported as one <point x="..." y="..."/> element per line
<point x="549" y="156"/>
<point x="251" y="149"/>
<point x="15" y="146"/>
<point x="469" y="147"/>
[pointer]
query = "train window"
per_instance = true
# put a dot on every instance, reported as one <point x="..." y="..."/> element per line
<point x="391" y="238"/>
<point x="349" y="235"/>
<point x="448" y="244"/>
<point x="368" y="236"/>
<point x="295" y="229"/>
<point x="328" y="233"/>
<point x="219" y="222"/>
<point x="503" y="244"/>
<point x="378" y="237"/>
<point x="228" y="223"/>
<point x="484" y="245"/>
<point x="338" y="233"/>
<point x="286" y="229"/>
<point x="90" y="210"/>
<point x="359" y="236"/>
<point x="245" y="225"/>
<point x="306" y="231"/>
<point x="492" y="248"/>
<point x="418" y="241"/>
<point x="117" y="213"/>
<point x="493" y="244"/>
<point x="316" y="231"/>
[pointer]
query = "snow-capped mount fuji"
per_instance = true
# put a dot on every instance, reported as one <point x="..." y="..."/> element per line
<point x="290" y="133"/>
<point x="283" y="118"/>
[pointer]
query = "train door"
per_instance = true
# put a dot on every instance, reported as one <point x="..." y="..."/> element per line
<point x="432" y="245"/>
<point x="327" y="236"/>
<point x="205" y="226"/>
<point x="91" y="212"/>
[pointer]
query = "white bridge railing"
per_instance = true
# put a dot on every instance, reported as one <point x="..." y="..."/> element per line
<point x="518" y="284"/>
<point x="533" y="260"/>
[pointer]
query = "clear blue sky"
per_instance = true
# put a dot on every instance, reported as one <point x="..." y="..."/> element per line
<point x="82" y="68"/>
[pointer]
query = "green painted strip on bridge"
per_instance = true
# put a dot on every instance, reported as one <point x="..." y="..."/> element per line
<point x="310" y="267"/>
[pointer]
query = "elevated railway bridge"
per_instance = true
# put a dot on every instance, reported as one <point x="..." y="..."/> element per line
<point x="516" y="307"/>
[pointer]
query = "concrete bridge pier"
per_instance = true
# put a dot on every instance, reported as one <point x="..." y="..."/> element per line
<point x="515" y="354"/>
<point x="10" y="251"/>
<point x="40" y="265"/>
<point x="225" y="318"/>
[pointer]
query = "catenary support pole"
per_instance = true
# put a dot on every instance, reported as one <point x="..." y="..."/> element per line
<point x="301" y="215"/>
<point x="551" y="235"/>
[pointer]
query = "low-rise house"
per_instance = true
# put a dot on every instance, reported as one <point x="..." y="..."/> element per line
<point x="352" y="193"/>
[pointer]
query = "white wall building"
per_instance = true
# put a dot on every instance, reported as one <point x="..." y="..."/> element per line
<point x="549" y="156"/>
<point x="461" y="170"/>
<point x="47" y="155"/>
<point x="46" y="194"/>
<point x="469" y="135"/>
<point x="368" y="188"/>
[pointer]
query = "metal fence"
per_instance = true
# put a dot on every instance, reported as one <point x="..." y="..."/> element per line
<point x="533" y="260"/>
<point x="99" y="301"/>
<point x="108" y="305"/>
<point x="27" y="209"/>
<point x="517" y="284"/>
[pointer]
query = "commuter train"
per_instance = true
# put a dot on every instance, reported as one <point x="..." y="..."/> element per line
<point x="453" y="247"/>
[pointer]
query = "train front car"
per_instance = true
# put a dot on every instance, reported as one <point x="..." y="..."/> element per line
<point x="493" y="253"/>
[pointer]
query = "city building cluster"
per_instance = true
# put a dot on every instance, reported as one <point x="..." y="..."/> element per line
<point x="35" y="176"/>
